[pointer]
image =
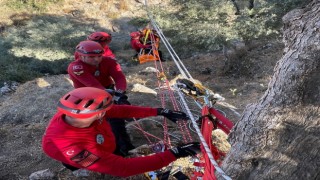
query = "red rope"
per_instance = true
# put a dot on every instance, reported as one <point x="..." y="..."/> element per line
<point x="183" y="127"/>
<point x="166" y="138"/>
<point x="148" y="134"/>
<point x="141" y="129"/>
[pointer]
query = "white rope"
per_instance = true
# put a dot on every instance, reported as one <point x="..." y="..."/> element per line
<point x="183" y="70"/>
<point x="185" y="73"/>
<point x="203" y="142"/>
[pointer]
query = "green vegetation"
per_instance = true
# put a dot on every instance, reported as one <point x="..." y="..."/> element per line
<point x="31" y="5"/>
<point x="39" y="46"/>
<point x="208" y="25"/>
<point x="139" y="22"/>
<point x="36" y="44"/>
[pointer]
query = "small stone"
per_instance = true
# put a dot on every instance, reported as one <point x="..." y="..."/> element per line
<point x="43" y="174"/>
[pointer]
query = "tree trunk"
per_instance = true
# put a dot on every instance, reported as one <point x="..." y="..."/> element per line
<point x="236" y="6"/>
<point x="279" y="136"/>
<point x="251" y="4"/>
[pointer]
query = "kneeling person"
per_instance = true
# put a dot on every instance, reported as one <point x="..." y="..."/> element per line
<point x="80" y="137"/>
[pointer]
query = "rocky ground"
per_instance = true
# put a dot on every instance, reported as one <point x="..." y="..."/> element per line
<point x="26" y="111"/>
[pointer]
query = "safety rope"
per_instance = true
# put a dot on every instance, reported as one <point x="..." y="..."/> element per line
<point x="138" y="127"/>
<point x="164" y="88"/>
<point x="146" y="135"/>
<point x="164" y="92"/>
<point x="203" y="142"/>
<point x="163" y="85"/>
<point x="183" y="70"/>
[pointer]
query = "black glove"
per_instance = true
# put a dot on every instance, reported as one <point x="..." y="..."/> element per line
<point x="174" y="116"/>
<point x="185" y="150"/>
<point x="120" y="98"/>
<point x="110" y="91"/>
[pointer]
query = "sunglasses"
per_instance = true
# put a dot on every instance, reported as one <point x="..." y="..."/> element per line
<point x="97" y="51"/>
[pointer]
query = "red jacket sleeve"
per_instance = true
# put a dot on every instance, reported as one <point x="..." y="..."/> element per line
<point x="128" y="111"/>
<point x="136" y="44"/>
<point x="108" y="52"/>
<point x="96" y="159"/>
<point x="117" y="74"/>
<point x="124" y="167"/>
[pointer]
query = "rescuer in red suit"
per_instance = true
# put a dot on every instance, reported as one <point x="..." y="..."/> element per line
<point x="104" y="39"/>
<point x="79" y="135"/>
<point x="91" y="69"/>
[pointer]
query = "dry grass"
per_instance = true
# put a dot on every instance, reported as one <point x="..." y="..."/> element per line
<point x="123" y="5"/>
<point x="219" y="140"/>
<point x="25" y="113"/>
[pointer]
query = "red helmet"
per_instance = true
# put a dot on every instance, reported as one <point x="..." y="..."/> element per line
<point x="85" y="102"/>
<point x="89" y="48"/>
<point x="100" y="37"/>
<point x="135" y="34"/>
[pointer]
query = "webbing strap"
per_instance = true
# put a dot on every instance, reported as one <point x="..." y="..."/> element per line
<point x="206" y="129"/>
<point x="205" y="147"/>
<point x="223" y="123"/>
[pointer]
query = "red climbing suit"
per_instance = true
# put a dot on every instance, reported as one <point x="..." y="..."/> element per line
<point x="108" y="73"/>
<point x="92" y="147"/>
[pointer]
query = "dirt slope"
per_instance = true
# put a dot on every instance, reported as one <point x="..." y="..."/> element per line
<point x="25" y="113"/>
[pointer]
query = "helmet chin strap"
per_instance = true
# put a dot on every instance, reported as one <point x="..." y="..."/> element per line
<point x="100" y="117"/>
<point x="83" y="59"/>
<point x="101" y="120"/>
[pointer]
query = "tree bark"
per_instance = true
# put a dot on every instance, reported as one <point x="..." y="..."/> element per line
<point x="236" y="6"/>
<point x="279" y="136"/>
<point x="251" y="4"/>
